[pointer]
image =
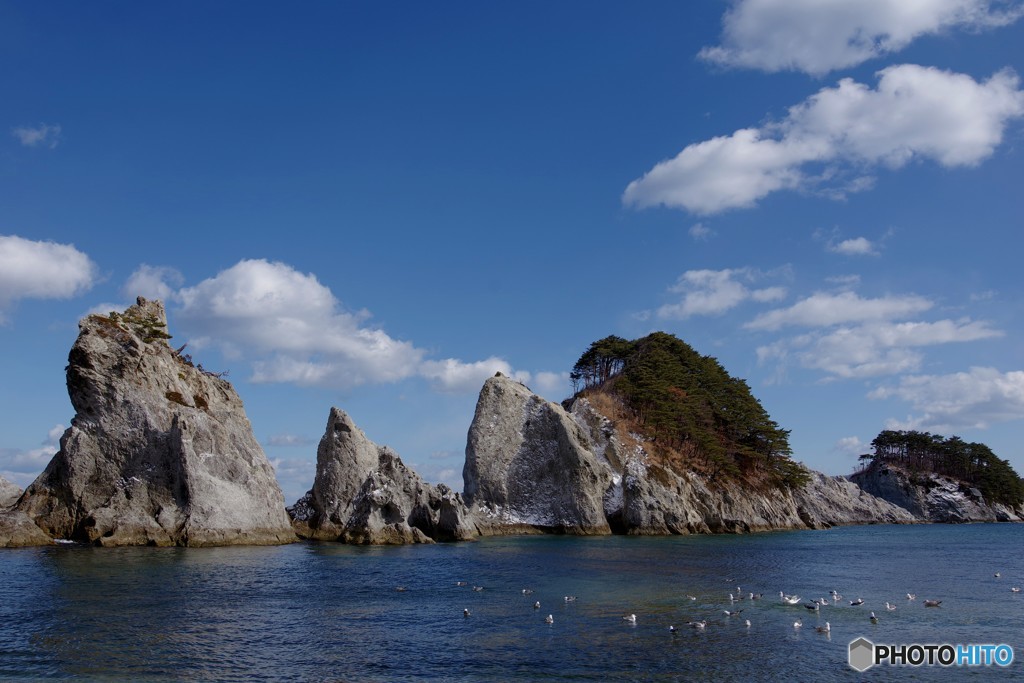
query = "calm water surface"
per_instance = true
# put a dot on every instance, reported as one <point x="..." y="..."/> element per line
<point x="328" y="612"/>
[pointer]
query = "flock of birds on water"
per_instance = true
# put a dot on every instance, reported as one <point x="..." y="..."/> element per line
<point x="739" y="597"/>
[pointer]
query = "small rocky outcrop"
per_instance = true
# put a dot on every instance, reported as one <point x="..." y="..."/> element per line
<point x="363" y="493"/>
<point x="16" y="528"/>
<point x="159" y="452"/>
<point x="530" y="465"/>
<point x="932" y="497"/>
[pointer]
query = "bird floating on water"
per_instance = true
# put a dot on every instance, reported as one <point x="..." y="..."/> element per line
<point x="873" y="618"/>
<point x="527" y="591"/>
<point x="756" y="596"/>
<point x="465" y="612"/>
<point x="400" y="589"/>
<point x="692" y="597"/>
<point x="732" y="613"/>
<point x="570" y="598"/>
<point x="997" y="575"/>
<point x="549" y="619"/>
<point x="798" y="624"/>
<point x="911" y="596"/>
<point x="478" y="588"/>
<point x="700" y="625"/>
<point x="671" y="629"/>
<point x="461" y="583"/>
<point x="536" y="605"/>
<point x="629" y="618"/>
<point x="932" y="603"/>
<point x="747" y="623"/>
<point x="813" y="606"/>
<point x="827" y="628"/>
<point x="789" y="599"/>
<point x="891" y="608"/>
<point x="858" y="601"/>
<point x="1015" y="590"/>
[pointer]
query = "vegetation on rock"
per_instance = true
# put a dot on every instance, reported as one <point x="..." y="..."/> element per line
<point x="689" y="409"/>
<point x="922" y="453"/>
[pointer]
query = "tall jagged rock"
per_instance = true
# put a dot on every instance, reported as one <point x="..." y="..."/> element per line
<point x="530" y="465"/>
<point x="363" y="493"/>
<point x="933" y="497"/>
<point x="159" y="452"/>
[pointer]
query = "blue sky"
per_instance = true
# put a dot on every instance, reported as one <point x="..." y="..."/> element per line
<point x="376" y="206"/>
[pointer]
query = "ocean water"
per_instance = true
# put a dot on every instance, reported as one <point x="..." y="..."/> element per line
<point x="330" y="612"/>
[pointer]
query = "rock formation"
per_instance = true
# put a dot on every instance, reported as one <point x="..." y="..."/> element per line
<point x="159" y="452"/>
<point x="932" y="497"/>
<point x="363" y="493"/>
<point x="530" y="465"/>
<point x="16" y="528"/>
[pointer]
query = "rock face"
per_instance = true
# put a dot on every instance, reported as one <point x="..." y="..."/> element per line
<point x="159" y="452"/>
<point x="363" y="493"/>
<point x="16" y="528"/>
<point x="530" y="465"/>
<point x="932" y="497"/>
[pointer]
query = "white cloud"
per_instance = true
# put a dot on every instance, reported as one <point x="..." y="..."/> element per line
<point x="915" y="112"/>
<point x="874" y="348"/>
<point x="713" y="292"/>
<point x="700" y="232"/>
<point x="295" y="331"/>
<point x="850" y="445"/>
<point x="964" y="400"/>
<point x="285" y="440"/>
<point x="451" y="375"/>
<point x="41" y="270"/>
<point x="22" y="467"/>
<point x="153" y="282"/>
<point x="43" y="135"/>
<point x="857" y="246"/>
<point x="816" y="37"/>
<point x="824" y="309"/>
<point x="552" y="385"/>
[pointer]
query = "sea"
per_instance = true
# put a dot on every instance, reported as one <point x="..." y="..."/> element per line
<point x="333" y="612"/>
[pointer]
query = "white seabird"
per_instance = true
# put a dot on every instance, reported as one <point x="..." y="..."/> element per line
<point x="827" y="628"/>
<point x="629" y="618"/>
<point x="858" y="601"/>
<point x="465" y="612"/>
<point x="549" y="619"/>
<point x="911" y="596"/>
<point x="697" y="624"/>
<point x="873" y="618"/>
<point x="798" y="623"/>
<point x="536" y="605"/>
<point x="891" y="608"/>
<point x="789" y="599"/>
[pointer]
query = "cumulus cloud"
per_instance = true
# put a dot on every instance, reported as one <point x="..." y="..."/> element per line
<point x="914" y="113"/>
<point x="824" y="308"/>
<point x="856" y="246"/>
<point x="876" y="348"/>
<point x="41" y="270"/>
<point x="43" y="135"/>
<point x="850" y="445"/>
<point x="294" y="330"/>
<point x="816" y="37"/>
<point x="285" y="440"/>
<point x="975" y="399"/>
<point x="701" y="232"/>
<point x="713" y="292"/>
<point x="153" y="282"/>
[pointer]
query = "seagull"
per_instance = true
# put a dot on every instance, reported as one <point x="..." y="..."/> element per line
<point x="732" y="613"/>
<point x="891" y="608"/>
<point x="465" y="612"/>
<point x="747" y="623"/>
<point x="692" y="597"/>
<point x="460" y="583"/>
<point x="731" y="598"/>
<point x="997" y="575"/>
<point x="789" y="599"/>
<point x="873" y="618"/>
<point x="858" y="601"/>
<point x="932" y="603"/>
<point x="1015" y="590"/>
<point x="536" y="605"/>
<point x="671" y="629"/>
<point x="570" y="598"/>
<point x="699" y="625"/>
<point x="756" y="596"/>
<point x="798" y="624"/>
<point x="400" y="589"/>
<point x="527" y="591"/>
<point x="478" y="588"/>
<point x="911" y="596"/>
<point x="630" y="619"/>
<point x="827" y="628"/>
<point x="823" y="602"/>
<point x="549" y="619"/>
<point x="813" y="606"/>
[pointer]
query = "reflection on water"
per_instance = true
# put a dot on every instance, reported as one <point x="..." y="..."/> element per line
<point x="328" y="612"/>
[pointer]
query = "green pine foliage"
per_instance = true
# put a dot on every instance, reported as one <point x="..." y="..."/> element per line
<point x="972" y="463"/>
<point x="688" y="403"/>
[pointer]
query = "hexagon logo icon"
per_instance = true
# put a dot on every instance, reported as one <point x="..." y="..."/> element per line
<point x="862" y="654"/>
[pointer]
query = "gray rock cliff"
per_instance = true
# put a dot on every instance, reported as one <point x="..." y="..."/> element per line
<point x="530" y="465"/>
<point x="363" y="493"/>
<point x="932" y="497"/>
<point x="159" y="452"/>
<point x="16" y="528"/>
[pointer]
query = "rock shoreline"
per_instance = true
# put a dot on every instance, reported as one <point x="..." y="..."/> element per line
<point x="160" y="452"/>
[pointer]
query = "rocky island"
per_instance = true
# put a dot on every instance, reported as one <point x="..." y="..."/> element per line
<point x="656" y="440"/>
